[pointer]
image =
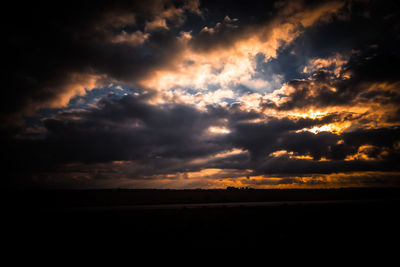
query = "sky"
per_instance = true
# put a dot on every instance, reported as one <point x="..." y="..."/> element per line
<point x="201" y="94"/>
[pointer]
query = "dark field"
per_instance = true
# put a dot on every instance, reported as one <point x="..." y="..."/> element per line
<point x="345" y="219"/>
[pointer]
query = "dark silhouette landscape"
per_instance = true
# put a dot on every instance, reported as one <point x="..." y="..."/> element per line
<point x="232" y="218"/>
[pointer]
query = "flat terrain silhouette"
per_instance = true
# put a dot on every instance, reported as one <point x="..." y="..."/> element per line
<point x="96" y="218"/>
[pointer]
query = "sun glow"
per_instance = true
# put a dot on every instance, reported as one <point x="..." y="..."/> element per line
<point x="312" y="114"/>
<point x="335" y="128"/>
<point x="218" y="130"/>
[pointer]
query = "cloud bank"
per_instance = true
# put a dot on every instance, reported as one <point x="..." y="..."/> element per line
<point x="190" y="94"/>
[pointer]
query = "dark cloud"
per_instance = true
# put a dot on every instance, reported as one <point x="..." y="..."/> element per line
<point x="260" y="139"/>
<point x="49" y="45"/>
<point x="381" y="137"/>
<point x="221" y="36"/>
<point x="365" y="73"/>
<point x="128" y="129"/>
<point x="169" y="138"/>
<point x="362" y="24"/>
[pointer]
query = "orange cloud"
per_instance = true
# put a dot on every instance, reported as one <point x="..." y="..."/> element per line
<point x="136" y="38"/>
<point x="336" y="62"/>
<point x="155" y="24"/>
<point x="75" y="84"/>
<point x="172" y="14"/>
<point x="232" y="63"/>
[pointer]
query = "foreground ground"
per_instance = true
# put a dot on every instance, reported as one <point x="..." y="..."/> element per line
<point x="343" y="219"/>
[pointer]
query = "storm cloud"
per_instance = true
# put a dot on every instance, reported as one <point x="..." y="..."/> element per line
<point x="188" y="94"/>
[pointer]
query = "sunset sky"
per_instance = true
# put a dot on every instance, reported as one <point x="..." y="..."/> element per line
<point x="201" y="94"/>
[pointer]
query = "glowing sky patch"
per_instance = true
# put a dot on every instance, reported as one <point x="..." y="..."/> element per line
<point x="218" y="130"/>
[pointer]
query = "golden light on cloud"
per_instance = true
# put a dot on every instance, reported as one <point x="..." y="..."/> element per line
<point x="77" y="85"/>
<point x="222" y="69"/>
<point x="218" y="130"/>
<point x="290" y="155"/>
<point x="235" y="151"/>
<point x="136" y="38"/>
<point x="363" y="154"/>
<point x="223" y="154"/>
<point x="335" y="128"/>
<point x="234" y="64"/>
<point x="221" y="179"/>
<point x="206" y="173"/>
<point x="336" y="62"/>
<point x="311" y="114"/>
<point x="279" y="153"/>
